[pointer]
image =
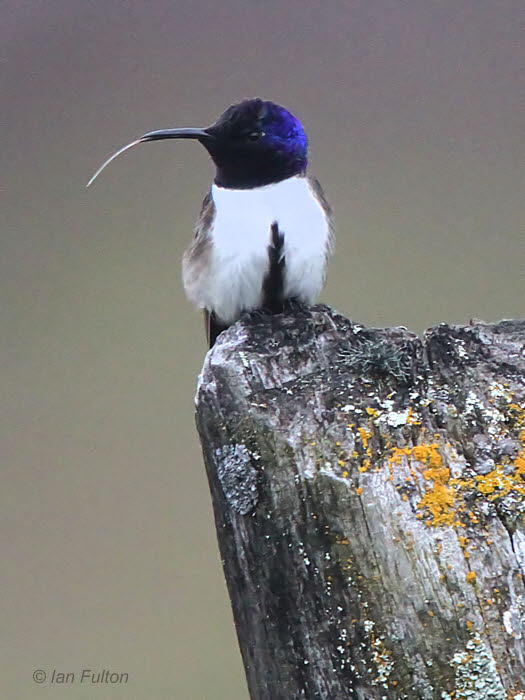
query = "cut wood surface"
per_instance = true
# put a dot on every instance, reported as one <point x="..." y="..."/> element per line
<point x="369" y="495"/>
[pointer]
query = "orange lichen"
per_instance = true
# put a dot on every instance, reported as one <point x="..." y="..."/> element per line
<point x="518" y="414"/>
<point x="471" y="577"/>
<point x="519" y="463"/>
<point x="496" y="483"/>
<point x="428" y="454"/>
<point x="440" y="498"/>
<point x="365" y="466"/>
<point x="341" y="539"/>
<point x="365" y="436"/>
<point x="411" y="419"/>
<point x="359" y="490"/>
<point x="442" y="501"/>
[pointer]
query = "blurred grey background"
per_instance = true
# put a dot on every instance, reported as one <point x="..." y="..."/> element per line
<point x="414" y="112"/>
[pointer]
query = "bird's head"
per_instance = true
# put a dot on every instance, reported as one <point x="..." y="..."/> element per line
<point x="253" y="143"/>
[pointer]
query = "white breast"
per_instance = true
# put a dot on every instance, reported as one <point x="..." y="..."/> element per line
<point x="240" y="238"/>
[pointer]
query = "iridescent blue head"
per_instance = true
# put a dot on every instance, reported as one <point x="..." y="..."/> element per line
<point x="253" y="143"/>
<point x="256" y="143"/>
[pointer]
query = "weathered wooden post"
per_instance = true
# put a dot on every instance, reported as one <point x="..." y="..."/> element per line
<point x="369" y="497"/>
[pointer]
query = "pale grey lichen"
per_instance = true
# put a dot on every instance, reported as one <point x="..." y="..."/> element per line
<point x="397" y="418"/>
<point x="514" y="616"/>
<point x="476" y="676"/>
<point x="238" y="477"/>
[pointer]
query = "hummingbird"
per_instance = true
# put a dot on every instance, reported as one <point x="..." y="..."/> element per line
<point x="265" y="229"/>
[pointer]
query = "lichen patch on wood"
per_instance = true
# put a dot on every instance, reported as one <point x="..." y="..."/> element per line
<point x="369" y="495"/>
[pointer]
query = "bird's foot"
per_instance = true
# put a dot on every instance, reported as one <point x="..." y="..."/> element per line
<point x="254" y="316"/>
<point x="288" y="306"/>
<point x="294" y="305"/>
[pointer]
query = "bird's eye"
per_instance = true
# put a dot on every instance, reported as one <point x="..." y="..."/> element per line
<point x="255" y="135"/>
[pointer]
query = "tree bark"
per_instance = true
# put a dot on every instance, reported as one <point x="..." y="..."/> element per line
<point x="369" y="495"/>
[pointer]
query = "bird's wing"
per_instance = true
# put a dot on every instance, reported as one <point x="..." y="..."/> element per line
<point x="318" y="191"/>
<point x="196" y="259"/>
<point x="206" y="216"/>
<point x="196" y="265"/>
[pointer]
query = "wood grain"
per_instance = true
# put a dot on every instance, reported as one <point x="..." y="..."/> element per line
<point x="368" y="488"/>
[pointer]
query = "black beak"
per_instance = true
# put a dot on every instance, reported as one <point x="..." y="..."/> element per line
<point x="189" y="133"/>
